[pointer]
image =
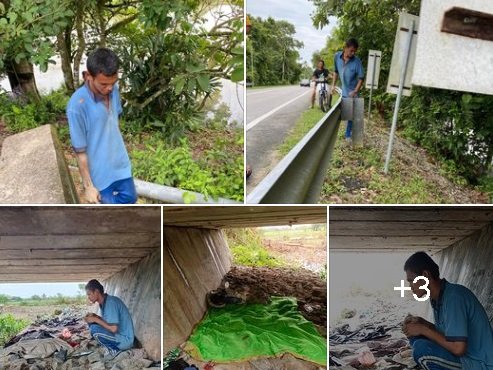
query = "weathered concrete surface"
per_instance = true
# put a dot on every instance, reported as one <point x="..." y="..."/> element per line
<point x="33" y="170"/>
<point x="195" y="261"/>
<point x="139" y="286"/>
<point x="468" y="262"/>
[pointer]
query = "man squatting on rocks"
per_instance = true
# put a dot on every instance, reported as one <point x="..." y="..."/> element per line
<point x="114" y="329"/>
<point x="93" y="112"/>
<point x="461" y="337"/>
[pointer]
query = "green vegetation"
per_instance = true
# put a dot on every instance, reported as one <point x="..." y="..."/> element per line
<point x="20" y="115"/>
<point x="356" y="174"/>
<point x="305" y="123"/>
<point x="42" y="300"/>
<point x="10" y="326"/>
<point x="272" y="47"/>
<point x="248" y="250"/>
<point x="455" y="127"/>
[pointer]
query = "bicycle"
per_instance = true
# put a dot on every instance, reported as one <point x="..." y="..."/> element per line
<point x="324" y="97"/>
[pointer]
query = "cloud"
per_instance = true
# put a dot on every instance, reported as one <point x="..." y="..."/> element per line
<point x="298" y="13"/>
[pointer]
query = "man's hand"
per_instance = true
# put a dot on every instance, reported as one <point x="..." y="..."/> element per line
<point x="412" y="329"/>
<point x="92" y="195"/>
<point x="353" y="93"/>
<point x="333" y="90"/>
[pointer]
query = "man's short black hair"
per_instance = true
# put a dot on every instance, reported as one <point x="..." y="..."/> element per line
<point x="103" y="61"/>
<point x="351" y="42"/>
<point x="420" y="262"/>
<point x="94" y="285"/>
<point x="321" y="60"/>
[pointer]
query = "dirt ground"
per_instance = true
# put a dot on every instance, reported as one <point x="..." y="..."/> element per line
<point x="257" y="284"/>
<point x="31" y="313"/>
<point x="310" y="253"/>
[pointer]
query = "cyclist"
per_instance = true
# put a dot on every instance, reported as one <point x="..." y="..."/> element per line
<point x="321" y="70"/>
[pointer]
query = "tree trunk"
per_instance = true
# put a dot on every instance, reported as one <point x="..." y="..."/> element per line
<point x="81" y="42"/>
<point x="64" y="49"/>
<point x="101" y="23"/>
<point x="21" y="79"/>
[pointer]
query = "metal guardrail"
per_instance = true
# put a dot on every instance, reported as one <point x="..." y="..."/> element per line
<point x="168" y="194"/>
<point x="299" y="176"/>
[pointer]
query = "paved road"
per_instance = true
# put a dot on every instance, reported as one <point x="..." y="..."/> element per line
<point x="271" y="113"/>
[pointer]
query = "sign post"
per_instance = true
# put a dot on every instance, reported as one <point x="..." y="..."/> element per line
<point x="402" y="60"/>
<point x="374" y="57"/>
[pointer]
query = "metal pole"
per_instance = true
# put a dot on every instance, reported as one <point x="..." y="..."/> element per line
<point x="399" y="96"/>
<point x="372" y="83"/>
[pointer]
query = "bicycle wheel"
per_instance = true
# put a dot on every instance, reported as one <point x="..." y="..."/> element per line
<point x="321" y="101"/>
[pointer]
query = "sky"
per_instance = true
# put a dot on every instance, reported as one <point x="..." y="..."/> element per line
<point x="50" y="289"/>
<point x="296" y="12"/>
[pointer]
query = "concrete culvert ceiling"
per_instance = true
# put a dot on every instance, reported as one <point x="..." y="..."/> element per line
<point x="71" y="244"/>
<point x="244" y="216"/>
<point x="403" y="228"/>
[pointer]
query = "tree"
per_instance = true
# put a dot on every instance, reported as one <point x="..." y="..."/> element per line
<point x="275" y="52"/>
<point x="26" y="31"/>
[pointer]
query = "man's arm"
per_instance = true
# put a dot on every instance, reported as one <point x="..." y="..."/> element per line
<point x="334" y="80"/>
<point x="356" y="89"/>
<point x="91" y="193"/>
<point x="95" y="319"/>
<point x="458" y="348"/>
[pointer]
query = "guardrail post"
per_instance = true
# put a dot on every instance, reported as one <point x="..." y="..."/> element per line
<point x="358" y="133"/>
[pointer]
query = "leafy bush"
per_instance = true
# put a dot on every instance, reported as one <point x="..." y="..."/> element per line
<point x="21" y="116"/>
<point x="248" y="250"/>
<point x="10" y="326"/>
<point x="215" y="175"/>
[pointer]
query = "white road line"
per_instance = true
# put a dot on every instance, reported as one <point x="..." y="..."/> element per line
<point x="250" y="93"/>
<point x="261" y="118"/>
<point x="259" y="92"/>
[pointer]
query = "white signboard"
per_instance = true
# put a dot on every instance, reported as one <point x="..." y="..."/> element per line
<point x="373" y="71"/>
<point x="455" y="50"/>
<point x="398" y="54"/>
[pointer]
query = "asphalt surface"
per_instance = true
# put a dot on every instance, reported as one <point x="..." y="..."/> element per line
<point x="271" y="113"/>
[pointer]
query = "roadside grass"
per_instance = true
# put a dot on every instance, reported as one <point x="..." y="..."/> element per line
<point x="305" y="123"/>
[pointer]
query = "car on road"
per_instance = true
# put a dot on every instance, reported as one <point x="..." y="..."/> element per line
<point x="305" y="82"/>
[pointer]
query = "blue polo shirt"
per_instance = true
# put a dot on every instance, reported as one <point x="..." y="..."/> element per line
<point x="350" y="72"/>
<point x="459" y="316"/>
<point x="114" y="312"/>
<point x="94" y="130"/>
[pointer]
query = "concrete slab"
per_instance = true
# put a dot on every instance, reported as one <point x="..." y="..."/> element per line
<point x="33" y="169"/>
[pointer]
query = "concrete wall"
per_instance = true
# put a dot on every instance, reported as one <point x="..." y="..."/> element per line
<point x="33" y="169"/>
<point x="195" y="261"/>
<point x="469" y="262"/>
<point x="139" y="286"/>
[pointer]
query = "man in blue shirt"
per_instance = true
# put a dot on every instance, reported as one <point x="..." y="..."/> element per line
<point x="114" y="329"/>
<point x="92" y="113"/>
<point x="461" y="337"/>
<point x="350" y="69"/>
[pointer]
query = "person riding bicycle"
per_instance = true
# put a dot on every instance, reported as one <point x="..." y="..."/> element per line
<point x="320" y="71"/>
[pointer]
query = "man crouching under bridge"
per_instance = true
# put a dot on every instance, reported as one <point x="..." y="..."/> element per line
<point x="461" y="337"/>
<point x="115" y="329"/>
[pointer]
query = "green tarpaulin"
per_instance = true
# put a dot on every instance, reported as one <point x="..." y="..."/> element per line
<point x="242" y="332"/>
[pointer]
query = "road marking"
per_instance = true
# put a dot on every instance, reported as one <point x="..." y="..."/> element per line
<point x="261" y="118"/>
<point x="259" y="92"/>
